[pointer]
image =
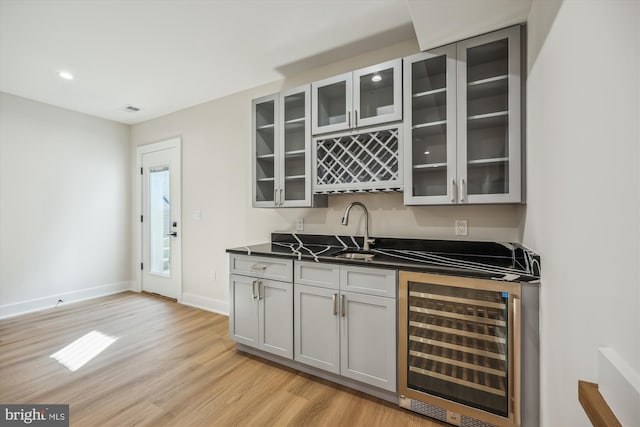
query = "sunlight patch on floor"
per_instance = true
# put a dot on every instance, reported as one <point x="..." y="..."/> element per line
<point x="78" y="353"/>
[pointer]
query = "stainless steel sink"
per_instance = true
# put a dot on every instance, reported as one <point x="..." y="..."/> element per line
<point x="356" y="255"/>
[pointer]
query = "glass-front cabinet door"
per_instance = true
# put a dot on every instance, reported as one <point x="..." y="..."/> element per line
<point x="365" y="97"/>
<point x="489" y="111"/>
<point x="430" y="126"/>
<point x="295" y="156"/>
<point x="332" y="104"/>
<point x="462" y="122"/>
<point x="377" y="94"/>
<point x="265" y="140"/>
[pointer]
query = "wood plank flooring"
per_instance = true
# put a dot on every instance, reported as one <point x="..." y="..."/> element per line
<point x="171" y="365"/>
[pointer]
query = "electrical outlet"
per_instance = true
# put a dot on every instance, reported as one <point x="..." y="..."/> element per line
<point x="300" y="224"/>
<point x="197" y="215"/>
<point x="461" y="227"/>
<point x="212" y="275"/>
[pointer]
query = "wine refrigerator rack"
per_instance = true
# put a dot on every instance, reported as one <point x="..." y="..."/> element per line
<point x="358" y="162"/>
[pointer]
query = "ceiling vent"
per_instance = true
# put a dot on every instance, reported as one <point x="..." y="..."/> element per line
<point x="131" y="109"/>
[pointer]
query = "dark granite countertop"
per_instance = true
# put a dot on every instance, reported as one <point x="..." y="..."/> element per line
<point x="487" y="260"/>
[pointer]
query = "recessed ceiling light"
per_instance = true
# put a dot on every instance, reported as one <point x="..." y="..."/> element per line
<point x="376" y="78"/>
<point x="66" y="75"/>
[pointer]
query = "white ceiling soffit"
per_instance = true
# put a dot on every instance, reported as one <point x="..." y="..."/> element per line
<point x="163" y="56"/>
<point x="463" y="18"/>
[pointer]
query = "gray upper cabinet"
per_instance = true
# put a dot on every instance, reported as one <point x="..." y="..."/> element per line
<point x="281" y="150"/>
<point x="264" y="147"/>
<point x="463" y="122"/>
<point x="365" y="97"/>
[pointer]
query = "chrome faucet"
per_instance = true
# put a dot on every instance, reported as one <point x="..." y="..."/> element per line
<point x="345" y="221"/>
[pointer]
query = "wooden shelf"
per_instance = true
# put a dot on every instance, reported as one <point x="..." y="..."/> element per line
<point x="265" y="156"/>
<point x="266" y="179"/>
<point x="488" y="115"/>
<point x="429" y="92"/>
<point x="263" y="127"/>
<point x="430" y="124"/>
<point x="295" y="153"/>
<point x="488" y="80"/>
<point x="430" y="166"/>
<point x="594" y="405"/>
<point x="488" y="161"/>
<point x="292" y="121"/>
<point x="292" y="177"/>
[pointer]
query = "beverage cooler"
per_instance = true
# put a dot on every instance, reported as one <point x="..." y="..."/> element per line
<point x="460" y="350"/>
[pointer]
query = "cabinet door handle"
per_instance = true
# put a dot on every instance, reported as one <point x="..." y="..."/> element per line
<point x="454" y="192"/>
<point x="281" y="198"/>
<point x="355" y="121"/>
<point x="253" y="289"/>
<point x="334" y="301"/>
<point x="275" y="196"/>
<point x="462" y="190"/>
<point x="349" y="118"/>
<point x="342" y="306"/>
<point x="260" y="290"/>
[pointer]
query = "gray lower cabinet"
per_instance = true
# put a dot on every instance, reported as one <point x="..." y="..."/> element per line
<point x="348" y="333"/>
<point x="261" y="313"/>
<point x="368" y="339"/>
<point x="317" y="327"/>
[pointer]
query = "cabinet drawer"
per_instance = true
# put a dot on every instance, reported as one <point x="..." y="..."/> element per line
<point x="262" y="267"/>
<point x="366" y="280"/>
<point x="317" y="274"/>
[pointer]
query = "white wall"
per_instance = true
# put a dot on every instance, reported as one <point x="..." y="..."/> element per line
<point x="64" y="205"/>
<point x="583" y="190"/>
<point x="216" y="139"/>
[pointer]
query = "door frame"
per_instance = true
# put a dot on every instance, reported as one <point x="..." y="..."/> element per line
<point x="174" y="142"/>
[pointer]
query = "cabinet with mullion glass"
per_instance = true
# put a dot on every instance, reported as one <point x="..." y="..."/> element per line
<point x="265" y="140"/>
<point x="489" y="117"/>
<point x="282" y="156"/>
<point x="462" y="108"/>
<point x="430" y="110"/>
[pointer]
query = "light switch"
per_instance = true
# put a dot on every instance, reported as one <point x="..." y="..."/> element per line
<point x="300" y="224"/>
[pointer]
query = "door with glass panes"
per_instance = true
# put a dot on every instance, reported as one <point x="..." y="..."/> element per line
<point x="489" y="118"/>
<point x="463" y="122"/>
<point x="160" y="218"/>
<point x="294" y="154"/>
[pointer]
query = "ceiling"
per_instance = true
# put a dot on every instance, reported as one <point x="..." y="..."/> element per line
<point x="166" y="55"/>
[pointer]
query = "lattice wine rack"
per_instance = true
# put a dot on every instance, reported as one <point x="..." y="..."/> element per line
<point x="359" y="162"/>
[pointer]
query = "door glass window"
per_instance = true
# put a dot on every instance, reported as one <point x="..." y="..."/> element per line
<point x="159" y="220"/>
<point x="376" y="94"/>
<point x="332" y="104"/>
<point x="488" y="118"/>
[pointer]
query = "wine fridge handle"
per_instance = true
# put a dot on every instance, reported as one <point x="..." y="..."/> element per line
<point x="517" y="361"/>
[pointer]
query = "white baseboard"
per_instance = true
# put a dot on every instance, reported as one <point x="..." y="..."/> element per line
<point x="16" y="309"/>
<point x="619" y="384"/>
<point x="206" y="303"/>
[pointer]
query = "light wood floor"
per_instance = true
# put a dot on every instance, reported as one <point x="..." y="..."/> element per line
<point x="171" y="365"/>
